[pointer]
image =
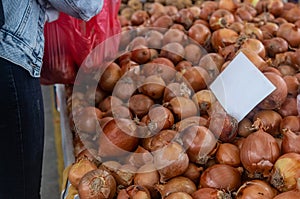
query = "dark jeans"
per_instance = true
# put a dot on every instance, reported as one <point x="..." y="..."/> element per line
<point x="21" y="133"/>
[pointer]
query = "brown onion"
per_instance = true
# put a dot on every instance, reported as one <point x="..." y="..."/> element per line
<point x="97" y="184"/>
<point x="212" y="62"/>
<point x="87" y="119"/>
<point x="290" y="122"/>
<point x="229" y="154"/>
<point x="292" y="84"/>
<point x="110" y="77"/>
<point x="170" y="161"/>
<point x="173" y="51"/>
<point x="258" y="153"/>
<point x="286" y="172"/>
<point x="270" y="121"/>
<point x="223" y="126"/>
<point x="140" y="104"/>
<point x="79" y="169"/>
<point x="223" y="37"/>
<point x="278" y="96"/>
<point x="255" y="45"/>
<point x="153" y="86"/>
<point x="193" y="53"/>
<point x="275" y="45"/>
<point x="257" y="189"/>
<point x="159" y="118"/>
<point x="159" y="140"/>
<point x="293" y="194"/>
<point x="220" y="18"/>
<point x="174" y="89"/>
<point x="245" y="127"/>
<point x="197" y="78"/>
<point x="290" y="33"/>
<point x="193" y="172"/>
<point x="147" y="176"/>
<point x="289" y="107"/>
<point x="139" y="157"/>
<point x="177" y="184"/>
<point x="118" y="138"/>
<point x="182" y="107"/>
<point x="154" y="39"/>
<point x="190" y="121"/>
<point x="199" y="142"/>
<point x="184" y="17"/>
<point x="260" y="63"/>
<point x="210" y="193"/>
<point x="134" y="191"/>
<point x="108" y="102"/>
<point x="221" y="176"/>
<point x="179" y="195"/>
<point x="290" y="142"/>
<point x="204" y="99"/>
<point x="287" y="70"/>
<point x="174" y="35"/>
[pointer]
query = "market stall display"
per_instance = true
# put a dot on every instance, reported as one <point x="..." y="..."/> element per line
<point x="145" y="124"/>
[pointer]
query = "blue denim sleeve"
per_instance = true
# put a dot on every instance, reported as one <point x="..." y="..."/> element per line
<point x="83" y="9"/>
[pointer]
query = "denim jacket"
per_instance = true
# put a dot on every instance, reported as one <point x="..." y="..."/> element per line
<point x="22" y="37"/>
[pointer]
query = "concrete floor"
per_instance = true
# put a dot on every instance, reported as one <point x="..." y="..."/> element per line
<point x="50" y="177"/>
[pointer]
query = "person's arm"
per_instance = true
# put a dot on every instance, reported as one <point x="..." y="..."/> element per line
<point x="83" y="9"/>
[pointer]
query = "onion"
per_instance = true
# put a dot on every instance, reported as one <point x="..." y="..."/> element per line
<point x="154" y="39"/>
<point x="140" y="54"/>
<point x="94" y="95"/>
<point x="140" y="104"/>
<point x="147" y="176"/>
<point x="196" y="77"/>
<point x="179" y="195"/>
<point x="110" y="77"/>
<point x="139" y="157"/>
<point x="193" y="172"/>
<point x="183" y="65"/>
<point x="182" y="107"/>
<point x="292" y="84"/>
<point x="252" y="31"/>
<point x="291" y="15"/>
<point x="170" y="161"/>
<point x="229" y="5"/>
<point x="223" y="126"/>
<point x="207" y="8"/>
<point x="254" y="58"/>
<point x="269" y="30"/>
<point x="204" y="99"/>
<point x="199" y="142"/>
<point x="139" y="17"/>
<point x="159" y="118"/>
<point x="212" y="62"/>
<point x="153" y="86"/>
<point x="134" y="191"/>
<point x="210" y="193"/>
<point x="290" y="33"/>
<point x="255" y="45"/>
<point x="193" y="53"/>
<point x="286" y="172"/>
<point x="223" y="37"/>
<point x="290" y="122"/>
<point x="190" y="121"/>
<point x="118" y="138"/>
<point x="184" y="17"/>
<point x="275" y="45"/>
<point x="176" y="89"/>
<point x="229" y="154"/>
<point x="258" y="153"/>
<point x="108" y="102"/>
<point x="123" y="174"/>
<point x="97" y="184"/>
<point x="163" y="23"/>
<point x="177" y="184"/>
<point x="245" y="12"/>
<point x="270" y="121"/>
<point x="220" y="18"/>
<point x="278" y="96"/>
<point x="79" y="169"/>
<point x="245" y="127"/>
<point x="160" y="66"/>
<point x="293" y="194"/>
<point x="174" y="35"/>
<point x="290" y="142"/>
<point x="173" y="51"/>
<point x="289" y="107"/>
<point x="159" y="140"/>
<point x="221" y="176"/>
<point x="287" y="70"/>
<point x="257" y="189"/>
<point x="87" y="119"/>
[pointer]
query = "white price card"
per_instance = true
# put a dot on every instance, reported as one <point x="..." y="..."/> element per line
<point x="240" y="87"/>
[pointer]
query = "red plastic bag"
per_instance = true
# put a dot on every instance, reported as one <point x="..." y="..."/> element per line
<point x="69" y="41"/>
